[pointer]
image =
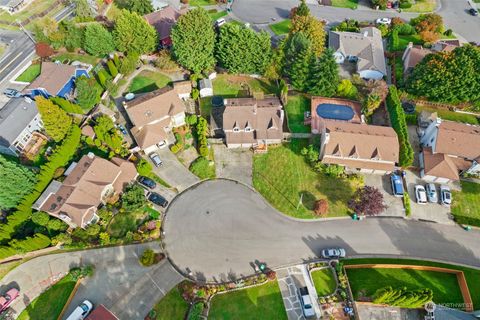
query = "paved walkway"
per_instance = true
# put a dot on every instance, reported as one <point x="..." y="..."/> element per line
<point x="289" y="280"/>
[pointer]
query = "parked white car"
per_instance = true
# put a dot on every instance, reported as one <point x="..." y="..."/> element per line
<point x="420" y="194"/>
<point x="445" y="195"/>
<point x="386" y="21"/>
<point x="82" y="311"/>
<point x="220" y="22"/>
<point x="431" y="193"/>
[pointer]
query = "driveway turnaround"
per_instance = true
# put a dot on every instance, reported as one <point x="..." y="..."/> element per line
<point x="172" y="171"/>
<point x="217" y="230"/>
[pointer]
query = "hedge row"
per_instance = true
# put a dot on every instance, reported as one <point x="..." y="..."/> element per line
<point x="61" y="156"/>
<point x="67" y="106"/>
<point x="399" y="124"/>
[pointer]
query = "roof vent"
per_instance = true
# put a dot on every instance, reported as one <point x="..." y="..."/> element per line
<point x="91" y="155"/>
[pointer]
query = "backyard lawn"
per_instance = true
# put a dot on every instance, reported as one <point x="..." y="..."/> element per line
<point x="283" y="188"/>
<point x="466" y="204"/>
<point x="295" y="108"/>
<point x="403" y="41"/>
<point x="148" y="81"/>
<point x="85" y="58"/>
<point x="450" y="115"/>
<point x="30" y="73"/>
<point x="262" y="302"/>
<point x="123" y="222"/>
<point x="324" y="281"/>
<point x="171" y="307"/>
<point x="49" y="304"/>
<point x="282" y="27"/>
<point x="352" y="4"/>
<point x="471" y="275"/>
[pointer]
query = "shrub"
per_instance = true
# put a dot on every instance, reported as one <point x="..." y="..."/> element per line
<point x="66" y="105"/>
<point x="192" y="119"/>
<point x="448" y="32"/>
<point x="406" y="204"/>
<point x="202" y="168"/>
<point x="321" y="207"/>
<point x="394" y="39"/>
<point x="116" y="60"/>
<point x="195" y="93"/>
<point x="405" y="5"/>
<point x="334" y="170"/>
<point x="111" y="68"/>
<point x="405" y="29"/>
<point x="346" y="89"/>
<point x="175" y="149"/>
<point x="148" y="258"/>
<point x="196" y="311"/>
<point x="271" y="275"/>
<point x="144" y="168"/>
<point x="165" y="62"/>
<point x="79" y="273"/>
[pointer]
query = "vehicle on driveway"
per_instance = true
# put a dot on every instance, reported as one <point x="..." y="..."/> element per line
<point x="220" y="22"/>
<point x="7" y="298"/>
<point x="473" y="12"/>
<point x="333" y="253"/>
<point x="386" y="21"/>
<point x="155" y="159"/>
<point x="431" y="193"/>
<point x="306" y="303"/>
<point x="12" y="93"/>
<point x="157" y="199"/>
<point x="397" y="185"/>
<point x="445" y="195"/>
<point x="147" y="182"/>
<point x="82" y="311"/>
<point x="420" y="194"/>
<point x="122" y="129"/>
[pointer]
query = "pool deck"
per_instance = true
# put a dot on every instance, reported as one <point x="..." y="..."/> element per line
<point x="318" y="122"/>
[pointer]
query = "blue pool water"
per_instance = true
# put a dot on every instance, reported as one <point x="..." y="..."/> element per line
<point x="335" y="111"/>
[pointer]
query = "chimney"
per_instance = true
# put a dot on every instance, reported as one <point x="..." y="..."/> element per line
<point x="410" y="45"/>
<point x="91" y="155"/>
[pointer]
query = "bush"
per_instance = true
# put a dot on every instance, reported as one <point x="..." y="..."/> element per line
<point x="411" y="119"/>
<point x="202" y="168"/>
<point x="116" y="60"/>
<point x="144" y="168"/>
<point x="192" y="119"/>
<point x="112" y="69"/>
<point x="148" y="258"/>
<point x="448" y="32"/>
<point x="67" y="106"/>
<point x="334" y="170"/>
<point x="165" y="62"/>
<point x="321" y="208"/>
<point x="346" y="89"/>
<point x="406" y="204"/>
<point x="175" y="149"/>
<point x="405" y="5"/>
<point x="405" y="29"/>
<point x="196" y="311"/>
<point x="80" y="273"/>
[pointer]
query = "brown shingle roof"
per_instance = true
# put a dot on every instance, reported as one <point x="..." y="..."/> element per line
<point x="458" y="139"/>
<point x="415" y="55"/>
<point x="151" y="133"/>
<point x="439" y="165"/>
<point x="53" y="77"/>
<point x="163" y="20"/>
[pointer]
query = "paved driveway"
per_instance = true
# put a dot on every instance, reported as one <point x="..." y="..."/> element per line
<point x="233" y="164"/>
<point x="289" y="280"/>
<point x="382" y="183"/>
<point x="218" y="228"/>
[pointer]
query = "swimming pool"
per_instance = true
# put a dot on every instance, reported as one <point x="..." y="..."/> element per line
<point x="335" y="111"/>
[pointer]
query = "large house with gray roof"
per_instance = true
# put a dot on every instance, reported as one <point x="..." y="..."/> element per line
<point x="364" y="49"/>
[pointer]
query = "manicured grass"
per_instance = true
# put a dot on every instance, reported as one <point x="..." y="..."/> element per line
<point x="123" y="222"/>
<point x="199" y="3"/>
<point x="352" y="4"/>
<point x="5" y="268"/>
<point x="283" y="188"/>
<point x="466" y="204"/>
<point x="232" y="86"/>
<point x="471" y="275"/>
<point x="172" y="306"/>
<point x="202" y="168"/>
<point x="324" y="281"/>
<point x="32" y="72"/>
<point x="405" y="39"/>
<point x="49" y="304"/>
<point x="148" y="81"/>
<point x="205" y="107"/>
<point x="422" y="6"/>
<point x="450" y="115"/>
<point x="282" y="27"/>
<point x="85" y="58"/>
<point x="215" y="15"/>
<point x="35" y="7"/>
<point x="295" y="108"/>
<point x="262" y="302"/>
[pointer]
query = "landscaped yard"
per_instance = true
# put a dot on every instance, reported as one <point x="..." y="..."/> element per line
<point x="49" y="304"/>
<point x="30" y="73"/>
<point x="352" y="4"/>
<point x="215" y="15"/>
<point x="282" y="27"/>
<point x="123" y="222"/>
<point x="69" y="56"/>
<point x="450" y="115"/>
<point x="35" y="7"/>
<point x="197" y="3"/>
<point x="262" y="302"/>
<point x="296" y="179"/>
<point x="466" y="204"/>
<point x="295" y="108"/>
<point x="148" y="81"/>
<point x="422" y="6"/>
<point x="324" y="281"/>
<point x="172" y="306"/>
<point x="5" y="268"/>
<point x="404" y="40"/>
<point x="471" y="275"/>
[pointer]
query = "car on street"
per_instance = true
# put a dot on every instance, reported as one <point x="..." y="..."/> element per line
<point x="445" y="195"/>
<point x="473" y="12"/>
<point x="420" y="194"/>
<point x="306" y="303"/>
<point x="147" y="182"/>
<point x="12" y="93"/>
<point x="431" y="193"/>
<point x="397" y="185"/>
<point x="82" y="311"/>
<point x="155" y="159"/>
<point x="386" y="21"/>
<point x="157" y="199"/>
<point x="7" y="298"/>
<point x="333" y="253"/>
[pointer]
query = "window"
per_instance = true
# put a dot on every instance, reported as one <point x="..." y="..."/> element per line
<point x="236" y="129"/>
<point x="431" y="140"/>
<point x="248" y="129"/>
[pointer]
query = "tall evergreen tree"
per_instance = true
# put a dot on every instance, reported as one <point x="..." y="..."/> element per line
<point x="16" y="181"/>
<point x="98" y="41"/>
<point x="298" y="55"/>
<point x="83" y="10"/>
<point x="142" y="7"/>
<point x="56" y="122"/>
<point x="314" y="29"/>
<point x="133" y="34"/>
<point x="302" y="9"/>
<point x="193" y="40"/>
<point x="323" y="79"/>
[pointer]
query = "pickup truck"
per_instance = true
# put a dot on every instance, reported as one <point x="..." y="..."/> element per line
<point x="306" y="303"/>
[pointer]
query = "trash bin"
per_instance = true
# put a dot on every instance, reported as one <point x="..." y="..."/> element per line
<point x="355" y="216"/>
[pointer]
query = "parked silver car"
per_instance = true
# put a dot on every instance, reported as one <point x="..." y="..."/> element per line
<point x="333" y="253"/>
<point x="431" y="193"/>
<point x="445" y="195"/>
<point x="155" y="159"/>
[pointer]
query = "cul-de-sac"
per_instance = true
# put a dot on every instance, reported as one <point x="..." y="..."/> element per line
<point x="239" y="159"/>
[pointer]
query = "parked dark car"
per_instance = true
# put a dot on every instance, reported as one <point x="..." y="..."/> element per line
<point x="146" y="182"/>
<point x="122" y="129"/>
<point x="473" y="11"/>
<point x="157" y="199"/>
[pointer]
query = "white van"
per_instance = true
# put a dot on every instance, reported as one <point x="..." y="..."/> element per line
<point x="82" y="311"/>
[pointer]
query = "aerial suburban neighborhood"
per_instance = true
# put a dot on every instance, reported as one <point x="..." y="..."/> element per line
<point x="239" y="159"/>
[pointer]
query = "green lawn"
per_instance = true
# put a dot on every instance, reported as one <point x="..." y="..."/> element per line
<point x="35" y="7"/>
<point x="283" y="188"/>
<point x="148" y="81"/>
<point x="49" y="304"/>
<point x="295" y="108"/>
<point x="262" y="302"/>
<point x="232" y="86"/>
<point x="172" y="306"/>
<point x="404" y="40"/>
<point x="352" y="4"/>
<point x="282" y="27"/>
<point x="471" y="275"/>
<point x="202" y="168"/>
<point x="466" y="204"/>
<point x="215" y="15"/>
<point x="32" y="72"/>
<point x="199" y="3"/>
<point x="324" y="281"/>
<point x="450" y="115"/>
<point x="85" y="58"/>
<point x="422" y="6"/>
<point x="123" y="222"/>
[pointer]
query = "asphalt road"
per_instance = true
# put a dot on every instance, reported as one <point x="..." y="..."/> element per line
<point x="454" y="13"/>
<point x="218" y="229"/>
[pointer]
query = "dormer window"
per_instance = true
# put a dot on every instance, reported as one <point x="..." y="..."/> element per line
<point x="248" y="129"/>
<point x="236" y="129"/>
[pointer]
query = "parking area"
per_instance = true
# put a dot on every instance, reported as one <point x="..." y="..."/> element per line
<point x="289" y="280"/>
<point x="382" y="183"/>
<point x="233" y="164"/>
